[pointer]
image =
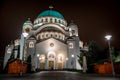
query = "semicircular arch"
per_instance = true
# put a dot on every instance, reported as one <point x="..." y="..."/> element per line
<point x="50" y="25"/>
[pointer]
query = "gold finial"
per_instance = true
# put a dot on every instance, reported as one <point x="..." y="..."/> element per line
<point x="51" y="7"/>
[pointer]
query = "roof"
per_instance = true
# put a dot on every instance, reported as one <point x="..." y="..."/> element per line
<point x="28" y="21"/>
<point x="70" y="38"/>
<point x="51" y="13"/>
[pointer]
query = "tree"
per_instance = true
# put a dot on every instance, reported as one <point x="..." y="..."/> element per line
<point x="92" y="55"/>
<point x="93" y="52"/>
<point x="115" y="54"/>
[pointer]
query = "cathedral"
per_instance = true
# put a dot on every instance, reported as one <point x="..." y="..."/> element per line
<point x="49" y="42"/>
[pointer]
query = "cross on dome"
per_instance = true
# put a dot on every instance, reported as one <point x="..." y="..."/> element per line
<point x="51" y="7"/>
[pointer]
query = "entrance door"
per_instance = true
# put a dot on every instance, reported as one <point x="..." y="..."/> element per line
<point x="42" y="65"/>
<point x="59" y="65"/>
<point x="51" y="65"/>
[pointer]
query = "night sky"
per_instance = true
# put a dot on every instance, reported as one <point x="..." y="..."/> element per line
<point x="94" y="18"/>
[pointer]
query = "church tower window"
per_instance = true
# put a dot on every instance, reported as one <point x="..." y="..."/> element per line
<point x="73" y="32"/>
<point x="70" y="45"/>
<point x="31" y="44"/>
<point x="9" y="50"/>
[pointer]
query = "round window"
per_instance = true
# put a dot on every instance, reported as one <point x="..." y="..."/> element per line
<point x="51" y="44"/>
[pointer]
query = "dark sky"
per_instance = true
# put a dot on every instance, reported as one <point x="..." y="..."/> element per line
<point x="94" y="18"/>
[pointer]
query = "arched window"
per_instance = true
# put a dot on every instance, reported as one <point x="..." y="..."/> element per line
<point x="51" y="20"/>
<point x="42" y="58"/>
<point x="70" y="45"/>
<point x="31" y="44"/>
<point x="59" y="21"/>
<point x="41" y="20"/>
<point x="73" y="32"/>
<point x="46" y="35"/>
<point x="55" y="20"/>
<point x="55" y="35"/>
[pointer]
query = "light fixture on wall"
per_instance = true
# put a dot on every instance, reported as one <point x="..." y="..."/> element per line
<point x="38" y="55"/>
<point x="72" y="55"/>
<point x="66" y="59"/>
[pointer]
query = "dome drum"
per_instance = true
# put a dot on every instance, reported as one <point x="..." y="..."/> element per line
<point x="45" y="20"/>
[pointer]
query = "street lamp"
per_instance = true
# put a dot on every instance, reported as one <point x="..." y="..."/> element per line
<point x="108" y="37"/>
<point x="22" y="45"/>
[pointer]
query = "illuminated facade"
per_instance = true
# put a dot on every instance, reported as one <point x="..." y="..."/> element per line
<point x="51" y="43"/>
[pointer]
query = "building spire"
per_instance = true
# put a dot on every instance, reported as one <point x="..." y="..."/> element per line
<point x="51" y="7"/>
<point x="72" y="22"/>
<point x="29" y="19"/>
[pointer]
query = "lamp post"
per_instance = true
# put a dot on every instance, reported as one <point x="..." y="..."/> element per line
<point x="108" y="37"/>
<point x="22" y="43"/>
<point x="38" y="57"/>
<point x="73" y="60"/>
<point x="66" y="63"/>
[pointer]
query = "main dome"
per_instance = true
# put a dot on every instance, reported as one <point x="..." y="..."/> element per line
<point x="51" y="13"/>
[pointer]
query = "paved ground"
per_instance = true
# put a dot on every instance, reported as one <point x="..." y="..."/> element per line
<point x="58" y="75"/>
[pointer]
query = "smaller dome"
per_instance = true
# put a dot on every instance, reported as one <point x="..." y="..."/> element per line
<point x="73" y="25"/>
<point x="52" y="13"/>
<point x="27" y="24"/>
<point x="28" y="21"/>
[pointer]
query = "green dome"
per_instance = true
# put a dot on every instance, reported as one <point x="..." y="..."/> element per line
<point x="52" y="13"/>
<point x="27" y="21"/>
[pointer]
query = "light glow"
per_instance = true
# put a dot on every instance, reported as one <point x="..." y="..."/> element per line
<point x="38" y="55"/>
<point x="40" y="58"/>
<point x="72" y="55"/>
<point x="66" y="59"/>
<point x="60" y="58"/>
<point x="25" y="34"/>
<point x="108" y="37"/>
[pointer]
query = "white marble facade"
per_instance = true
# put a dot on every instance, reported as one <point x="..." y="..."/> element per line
<point x="51" y="42"/>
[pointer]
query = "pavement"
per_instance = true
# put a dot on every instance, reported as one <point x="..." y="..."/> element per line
<point x="58" y="75"/>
